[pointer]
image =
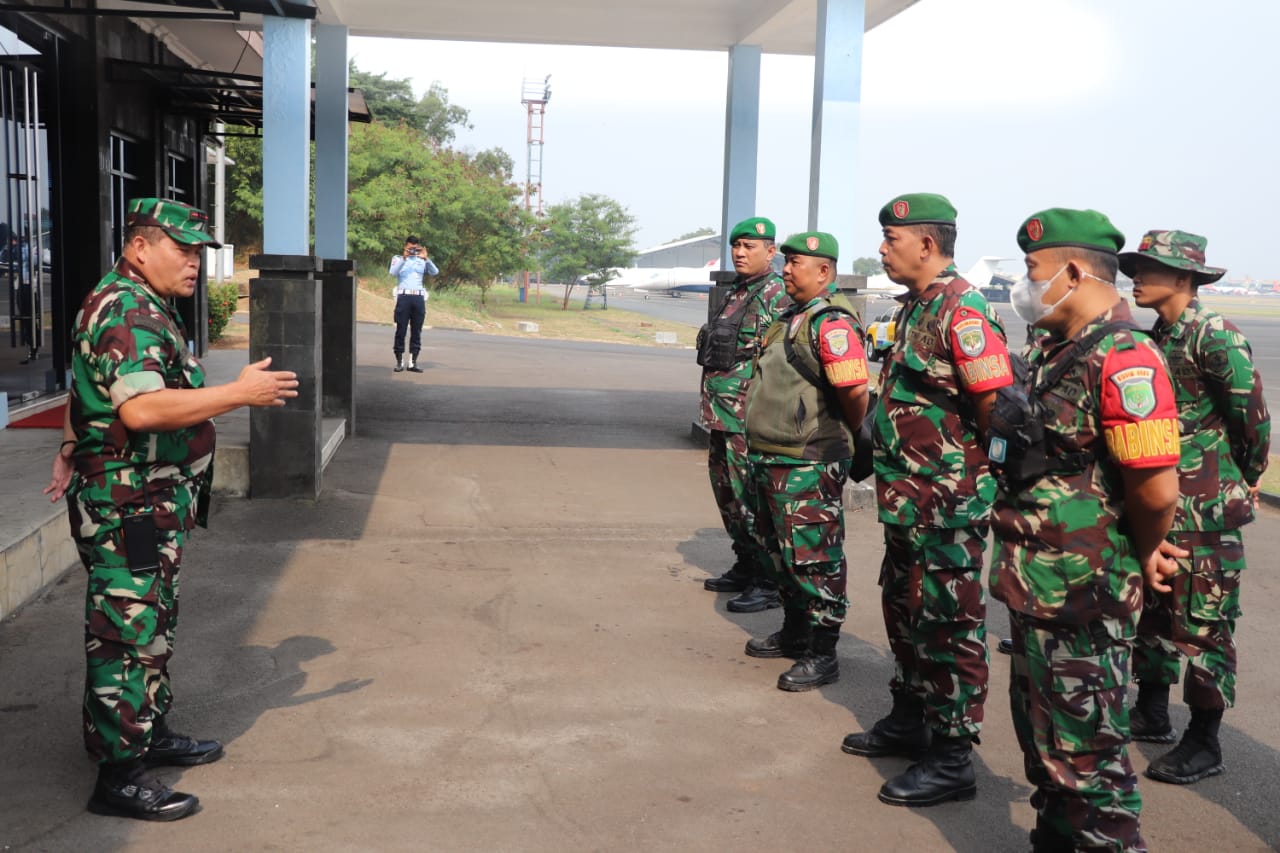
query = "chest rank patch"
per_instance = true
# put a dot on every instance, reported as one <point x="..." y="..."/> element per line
<point x="1137" y="391"/>
<point x="837" y="341"/>
<point x="972" y="336"/>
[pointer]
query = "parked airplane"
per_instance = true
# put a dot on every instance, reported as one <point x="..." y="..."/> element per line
<point x="982" y="275"/>
<point x="666" y="281"/>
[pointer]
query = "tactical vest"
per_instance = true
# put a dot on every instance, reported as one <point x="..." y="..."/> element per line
<point x="788" y="414"/>
<point x="717" y="342"/>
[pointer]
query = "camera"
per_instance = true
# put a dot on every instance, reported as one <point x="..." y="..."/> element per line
<point x="415" y="251"/>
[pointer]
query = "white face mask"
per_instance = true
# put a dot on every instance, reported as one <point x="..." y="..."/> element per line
<point x="1027" y="297"/>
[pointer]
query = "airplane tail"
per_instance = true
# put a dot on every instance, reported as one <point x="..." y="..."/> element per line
<point x="979" y="275"/>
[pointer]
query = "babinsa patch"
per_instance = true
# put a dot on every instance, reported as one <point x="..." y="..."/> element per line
<point x="972" y="335"/>
<point x="837" y="341"/>
<point x="1137" y="390"/>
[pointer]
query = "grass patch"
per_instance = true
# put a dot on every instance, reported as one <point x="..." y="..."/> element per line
<point x="460" y="308"/>
<point x="1271" y="477"/>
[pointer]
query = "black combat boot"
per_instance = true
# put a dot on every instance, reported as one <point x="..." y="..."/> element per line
<point x="759" y="595"/>
<point x="1047" y="839"/>
<point x="819" y="666"/>
<point x="1198" y="754"/>
<point x="1005" y="646"/>
<point x="399" y="363"/>
<point x="735" y="580"/>
<point x="903" y="732"/>
<point x="170" y="749"/>
<point x="129" y="790"/>
<point x="791" y="642"/>
<point x="1149" y="718"/>
<point x="945" y="773"/>
<point x="413" y="363"/>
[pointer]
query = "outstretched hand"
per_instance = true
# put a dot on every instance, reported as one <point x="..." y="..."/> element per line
<point x="262" y="387"/>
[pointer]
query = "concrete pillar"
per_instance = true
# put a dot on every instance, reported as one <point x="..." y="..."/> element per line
<point x="331" y="141"/>
<point x="741" y="142"/>
<point x="285" y="315"/>
<point x="286" y="136"/>
<point x="837" y="97"/>
<point x="338" y="338"/>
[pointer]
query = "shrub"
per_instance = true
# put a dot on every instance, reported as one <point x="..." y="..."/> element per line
<point x="223" y="299"/>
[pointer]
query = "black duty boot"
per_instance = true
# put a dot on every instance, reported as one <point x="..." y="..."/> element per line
<point x="1047" y="839"/>
<point x="129" y="790"/>
<point x="170" y="749"/>
<point x="1149" y="718"/>
<point x="413" y="363"/>
<point x="735" y="580"/>
<point x="759" y="595"/>
<point x="944" y="774"/>
<point x="791" y="642"/>
<point x="818" y="667"/>
<point x="1005" y="646"/>
<point x="903" y="732"/>
<point x="1198" y="754"/>
<point x="399" y="364"/>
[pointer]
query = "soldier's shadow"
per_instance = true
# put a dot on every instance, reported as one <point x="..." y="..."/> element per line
<point x="863" y="689"/>
<point x="244" y="683"/>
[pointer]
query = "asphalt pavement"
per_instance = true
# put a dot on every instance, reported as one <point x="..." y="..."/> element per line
<point x="490" y="634"/>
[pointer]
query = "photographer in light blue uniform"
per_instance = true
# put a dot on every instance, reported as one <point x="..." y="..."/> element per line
<point x="409" y="268"/>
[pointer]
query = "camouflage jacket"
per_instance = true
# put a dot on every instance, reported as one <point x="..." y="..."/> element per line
<point x="724" y="392"/>
<point x="1061" y="550"/>
<point x="127" y="342"/>
<point x="1223" y="419"/>
<point x="931" y="470"/>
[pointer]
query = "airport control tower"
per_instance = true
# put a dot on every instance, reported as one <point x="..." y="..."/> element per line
<point x="534" y="96"/>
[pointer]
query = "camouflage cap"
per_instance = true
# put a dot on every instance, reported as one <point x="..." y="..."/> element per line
<point x="918" y="209"/>
<point x="817" y="243"/>
<point x="755" y="228"/>
<point x="185" y="224"/>
<point x="1062" y="226"/>
<point x="1181" y="250"/>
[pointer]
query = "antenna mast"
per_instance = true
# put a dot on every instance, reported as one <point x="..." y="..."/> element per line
<point x="534" y="96"/>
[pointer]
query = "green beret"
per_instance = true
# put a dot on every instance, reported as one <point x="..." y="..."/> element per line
<point x="755" y="228"/>
<point x="918" y="209"/>
<point x="1181" y="250"/>
<point x="1061" y="226"/>
<point x="184" y="223"/>
<point x="820" y="244"/>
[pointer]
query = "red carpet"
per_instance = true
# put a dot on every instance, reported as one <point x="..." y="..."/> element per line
<point x="48" y="419"/>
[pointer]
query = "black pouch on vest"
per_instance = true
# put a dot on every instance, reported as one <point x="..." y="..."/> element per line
<point x="141" y="544"/>
<point x="718" y="344"/>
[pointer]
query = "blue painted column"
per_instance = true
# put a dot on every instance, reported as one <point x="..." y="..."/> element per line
<point x="331" y="141"/>
<point x="741" y="142"/>
<point x="837" y="97"/>
<point x="286" y="136"/>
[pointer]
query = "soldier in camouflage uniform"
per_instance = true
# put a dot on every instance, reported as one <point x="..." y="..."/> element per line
<point x="807" y="400"/>
<point x="934" y="492"/>
<point x="1226" y="439"/>
<point x="135" y="469"/>
<point x="1074" y="542"/>
<point x="726" y="350"/>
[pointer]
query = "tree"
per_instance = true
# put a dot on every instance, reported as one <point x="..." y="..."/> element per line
<point x="391" y="102"/>
<point x="700" y="232"/>
<point x="867" y="266"/>
<point x="588" y="237"/>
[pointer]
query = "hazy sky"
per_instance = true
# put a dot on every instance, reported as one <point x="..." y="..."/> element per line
<point x="1160" y="113"/>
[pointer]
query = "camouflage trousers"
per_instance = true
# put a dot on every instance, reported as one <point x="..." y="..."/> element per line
<point x="800" y="524"/>
<point x="1067" y="694"/>
<point x="1197" y="619"/>
<point x="734" y="492"/>
<point x="935" y="610"/>
<point x="130" y="622"/>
